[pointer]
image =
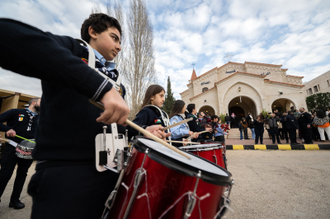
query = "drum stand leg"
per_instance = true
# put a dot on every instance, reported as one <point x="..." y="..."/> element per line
<point x="192" y="198"/>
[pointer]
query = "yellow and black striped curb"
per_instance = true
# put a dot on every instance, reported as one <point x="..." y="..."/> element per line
<point x="279" y="147"/>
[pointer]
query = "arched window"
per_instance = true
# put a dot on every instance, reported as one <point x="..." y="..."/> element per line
<point x="204" y="89"/>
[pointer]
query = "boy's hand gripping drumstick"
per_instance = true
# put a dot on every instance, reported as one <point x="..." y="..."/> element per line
<point x="148" y="134"/>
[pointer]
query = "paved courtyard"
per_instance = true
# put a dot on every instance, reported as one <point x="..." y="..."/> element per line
<point x="268" y="184"/>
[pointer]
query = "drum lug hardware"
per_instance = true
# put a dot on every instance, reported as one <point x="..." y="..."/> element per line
<point x="137" y="183"/>
<point x="192" y="198"/>
<point x="225" y="203"/>
<point x="112" y="197"/>
<point x="215" y="159"/>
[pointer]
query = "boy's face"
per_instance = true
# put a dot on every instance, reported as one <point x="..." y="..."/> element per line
<point x="215" y="120"/>
<point x="106" y="43"/>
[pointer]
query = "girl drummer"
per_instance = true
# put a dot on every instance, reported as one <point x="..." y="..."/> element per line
<point x="150" y="112"/>
<point x="178" y="114"/>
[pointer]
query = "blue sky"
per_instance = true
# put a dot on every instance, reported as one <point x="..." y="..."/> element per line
<point x="294" y="33"/>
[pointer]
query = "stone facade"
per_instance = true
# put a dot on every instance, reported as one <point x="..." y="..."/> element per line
<point x="245" y="87"/>
<point x="320" y="84"/>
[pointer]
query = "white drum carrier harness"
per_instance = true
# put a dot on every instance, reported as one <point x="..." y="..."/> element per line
<point x="163" y="114"/>
<point x="165" y="118"/>
<point x="109" y="147"/>
<point x="91" y="63"/>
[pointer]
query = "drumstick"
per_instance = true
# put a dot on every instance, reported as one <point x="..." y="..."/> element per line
<point x="196" y="133"/>
<point x="153" y="137"/>
<point x="176" y="124"/>
<point x="4" y="139"/>
<point x="186" y="142"/>
<point x="11" y="142"/>
<point x="202" y="132"/>
<point x="148" y="134"/>
<point x="24" y="139"/>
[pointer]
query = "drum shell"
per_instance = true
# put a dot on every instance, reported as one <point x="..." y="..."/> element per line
<point x="24" y="152"/>
<point x="214" y="155"/>
<point x="164" y="187"/>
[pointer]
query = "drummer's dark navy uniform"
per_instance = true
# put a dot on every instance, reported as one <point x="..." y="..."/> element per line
<point x="194" y="126"/>
<point x="149" y="115"/>
<point x="24" y="123"/>
<point x="66" y="183"/>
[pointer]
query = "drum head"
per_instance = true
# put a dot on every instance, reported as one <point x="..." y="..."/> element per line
<point x="27" y="144"/>
<point x="211" y="172"/>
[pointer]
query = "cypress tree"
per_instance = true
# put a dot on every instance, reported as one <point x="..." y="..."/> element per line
<point x="169" y="99"/>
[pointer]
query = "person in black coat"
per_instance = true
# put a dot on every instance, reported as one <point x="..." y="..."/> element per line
<point x="284" y="129"/>
<point x="273" y="125"/>
<point x="22" y="122"/>
<point x="292" y="126"/>
<point x="305" y="125"/>
<point x="227" y="119"/>
<point x="259" y="129"/>
<point x="194" y="125"/>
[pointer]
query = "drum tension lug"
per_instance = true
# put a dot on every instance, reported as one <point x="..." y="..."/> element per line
<point x="192" y="198"/>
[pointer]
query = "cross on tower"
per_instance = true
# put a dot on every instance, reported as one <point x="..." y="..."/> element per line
<point x="193" y="64"/>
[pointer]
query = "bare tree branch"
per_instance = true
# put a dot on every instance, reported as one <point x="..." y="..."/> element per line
<point x="140" y="69"/>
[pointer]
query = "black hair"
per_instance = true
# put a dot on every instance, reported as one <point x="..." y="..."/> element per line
<point x="99" y="22"/>
<point x="320" y="114"/>
<point x="191" y="107"/>
<point x="151" y="91"/>
<point x="177" y="108"/>
<point x="214" y="117"/>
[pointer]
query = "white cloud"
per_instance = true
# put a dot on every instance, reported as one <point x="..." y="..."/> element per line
<point x="293" y="33"/>
<point x="18" y="83"/>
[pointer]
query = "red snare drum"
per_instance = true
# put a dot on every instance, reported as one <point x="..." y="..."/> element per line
<point x="160" y="183"/>
<point x="211" y="151"/>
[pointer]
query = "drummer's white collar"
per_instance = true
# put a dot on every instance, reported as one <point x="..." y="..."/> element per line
<point x="108" y="64"/>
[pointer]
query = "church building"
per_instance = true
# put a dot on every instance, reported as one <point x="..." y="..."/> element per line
<point x="245" y="87"/>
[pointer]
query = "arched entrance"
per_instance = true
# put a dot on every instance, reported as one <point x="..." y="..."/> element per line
<point x="283" y="105"/>
<point x="237" y="110"/>
<point x="241" y="105"/>
<point x="207" y="109"/>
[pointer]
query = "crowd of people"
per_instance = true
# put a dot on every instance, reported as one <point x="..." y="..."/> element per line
<point x="202" y="127"/>
<point x="311" y="127"/>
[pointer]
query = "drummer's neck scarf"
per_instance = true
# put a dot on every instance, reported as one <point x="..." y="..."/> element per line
<point x="31" y="116"/>
<point x="103" y="66"/>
